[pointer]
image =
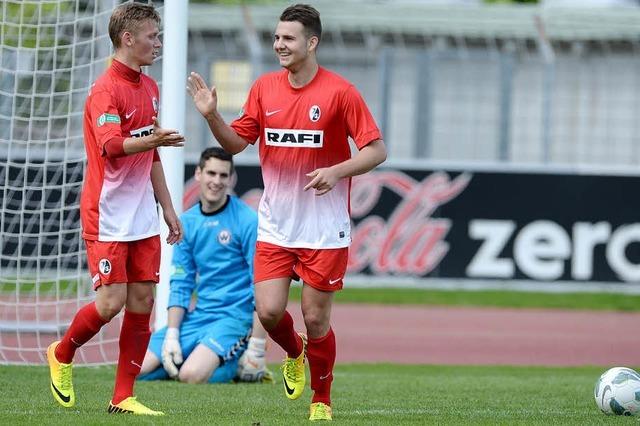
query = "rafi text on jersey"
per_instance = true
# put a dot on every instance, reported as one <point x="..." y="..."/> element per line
<point x="294" y="138"/>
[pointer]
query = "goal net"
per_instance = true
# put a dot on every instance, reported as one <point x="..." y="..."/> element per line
<point x="50" y="53"/>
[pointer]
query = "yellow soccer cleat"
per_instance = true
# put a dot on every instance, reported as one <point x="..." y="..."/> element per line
<point x="132" y="406"/>
<point x="320" y="411"/>
<point x="61" y="383"/>
<point x="293" y="372"/>
<point x="267" y="377"/>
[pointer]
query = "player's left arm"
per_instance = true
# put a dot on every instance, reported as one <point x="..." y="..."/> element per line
<point x="164" y="198"/>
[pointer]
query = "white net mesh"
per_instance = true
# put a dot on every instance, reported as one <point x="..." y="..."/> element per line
<point x="51" y="52"/>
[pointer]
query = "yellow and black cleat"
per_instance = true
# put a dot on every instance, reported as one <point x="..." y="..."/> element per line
<point x="61" y="378"/>
<point x="293" y="372"/>
<point x="267" y="377"/>
<point x="320" y="411"/>
<point x="132" y="406"/>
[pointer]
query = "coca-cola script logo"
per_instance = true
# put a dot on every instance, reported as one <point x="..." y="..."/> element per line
<point x="409" y="241"/>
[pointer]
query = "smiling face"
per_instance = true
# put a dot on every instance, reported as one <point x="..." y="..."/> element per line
<point x="293" y="48"/>
<point x="214" y="179"/>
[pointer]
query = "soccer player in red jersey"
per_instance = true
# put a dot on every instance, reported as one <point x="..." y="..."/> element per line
<point x="302" y="116"/>
<point x="118" y="209"/>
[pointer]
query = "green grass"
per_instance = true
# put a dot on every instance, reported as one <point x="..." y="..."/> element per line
<point x="378" y="394"/>
<point x="44" y="288"/>
<point x="495" y="298"/>
<point x="413" y="296"/>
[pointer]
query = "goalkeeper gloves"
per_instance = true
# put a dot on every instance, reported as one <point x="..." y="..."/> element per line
<point x="256" y="349"/>
<point x="252" y="365"/>
<point x="171" y="352"/>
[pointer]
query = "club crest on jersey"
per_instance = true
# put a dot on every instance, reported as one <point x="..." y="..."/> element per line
<point x="224" y="237"/>
<point x="154" y="101"/>
<point x="104" y="266"/>
<point x="294" y="138"/>
<point x="314" y="113"/>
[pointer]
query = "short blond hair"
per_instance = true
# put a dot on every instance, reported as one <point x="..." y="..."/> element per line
<point x="128" y="17"/>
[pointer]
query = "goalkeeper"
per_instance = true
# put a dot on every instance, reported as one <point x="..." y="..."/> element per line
<point x="215" y="259"/>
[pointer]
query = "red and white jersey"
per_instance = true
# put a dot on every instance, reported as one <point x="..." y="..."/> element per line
<point x="117" y="202"/>
<point x="301" y="130"/>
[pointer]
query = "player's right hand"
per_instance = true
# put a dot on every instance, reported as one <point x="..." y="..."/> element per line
<point x="171" y="352"/>
<point x="164" y="137"/>
<point x="205" y="99"/>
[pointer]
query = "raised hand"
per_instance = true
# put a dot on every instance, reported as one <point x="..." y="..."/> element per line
<point x="205" y="99"/>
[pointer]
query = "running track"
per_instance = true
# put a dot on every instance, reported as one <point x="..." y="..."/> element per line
<point x="481" y="336"/>
<point x="431" y="335"/>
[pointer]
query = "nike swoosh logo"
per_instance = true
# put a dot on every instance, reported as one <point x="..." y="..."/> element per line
<point x="270" y="113"/>
<point x="127" y="116"/>
<point x="332" y="282"/>
<point x="286" y="387"/>
<point x="62" y="397"/>
<point x="136" y="364"/>
<point x="324" y="377"/>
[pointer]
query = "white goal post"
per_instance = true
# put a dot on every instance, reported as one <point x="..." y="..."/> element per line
<point x="174" y="77"/>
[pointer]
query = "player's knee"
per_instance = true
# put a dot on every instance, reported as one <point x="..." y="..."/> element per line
<point x="140" y="302"/>
<point x="269" y="317"/>
<point x="148" y="302"/>
<point x="192" y="375"/>
<point x="317" y="323"/>
<point x="110" y="307"/>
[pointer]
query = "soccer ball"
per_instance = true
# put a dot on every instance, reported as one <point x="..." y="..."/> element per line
<point x="617" y="391"/>
<point x="251" y="368"/>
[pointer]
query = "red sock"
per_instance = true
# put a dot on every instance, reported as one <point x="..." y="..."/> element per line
<point x="285" y="335"/>
<point x="321" y="354"/>
<point x="84" y="326"/>
<point x="134" y="338"/>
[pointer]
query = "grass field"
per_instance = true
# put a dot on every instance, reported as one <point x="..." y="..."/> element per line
<point x="411" y="296"/>
<point x="379" y="394"/>
<point x="494" y="298"/>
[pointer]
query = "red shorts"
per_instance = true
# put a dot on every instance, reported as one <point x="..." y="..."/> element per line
<point x="322" y="269"/>
<point x="123" y="261"/>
